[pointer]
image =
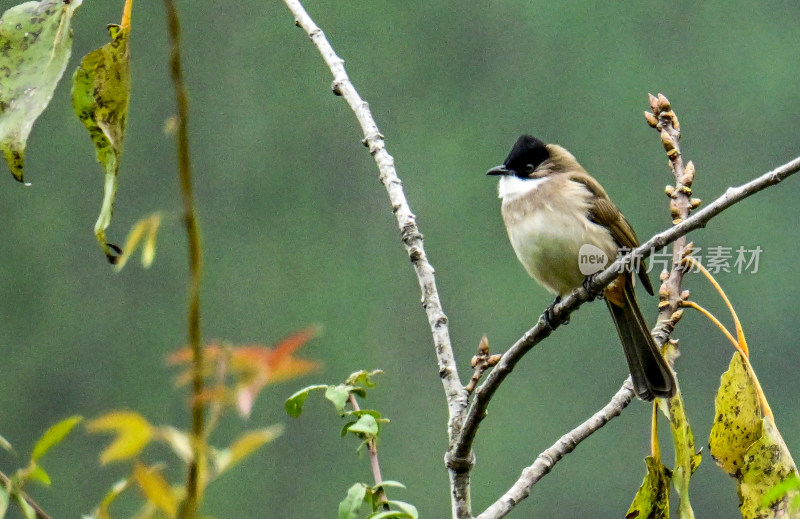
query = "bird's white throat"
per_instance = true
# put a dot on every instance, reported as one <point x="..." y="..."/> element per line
<point x="512" y="186"/>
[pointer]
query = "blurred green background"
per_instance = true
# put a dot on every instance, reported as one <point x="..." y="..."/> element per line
<point x="298" y="230"/>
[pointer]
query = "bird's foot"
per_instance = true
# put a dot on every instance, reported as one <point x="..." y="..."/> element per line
<point x="548" y="313"/>
<point x="587" y="285"/>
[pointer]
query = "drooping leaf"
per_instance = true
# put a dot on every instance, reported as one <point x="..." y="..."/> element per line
<point x="35" y="46"/>
<point x="247" y="444"/>
<point x="767" y="463"/>
<point x="132" y="430"/>
<point x="54" y="435"/>
<point x="100" y="94"/>
<point x="737" y="422"/>
<point x="294" y="404"/>
<point x="687" y="459"/>
<point x="155" y="488"/>
<point x="3" y="501"/>
<point x="338" y="395"/>
<point x="145" y="232"/>
<point x="652" y="499"/>
<point x="351" y="504"/>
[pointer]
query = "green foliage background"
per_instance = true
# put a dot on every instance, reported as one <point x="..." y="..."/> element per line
<point x="297" y="230"/>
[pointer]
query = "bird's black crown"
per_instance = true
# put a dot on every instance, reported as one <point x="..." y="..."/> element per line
<point x="527" y="150"/>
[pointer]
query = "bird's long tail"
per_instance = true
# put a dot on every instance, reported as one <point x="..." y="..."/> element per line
<point x="652" y="378"/>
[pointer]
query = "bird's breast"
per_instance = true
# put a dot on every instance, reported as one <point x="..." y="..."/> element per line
<point x="548" y="229"/>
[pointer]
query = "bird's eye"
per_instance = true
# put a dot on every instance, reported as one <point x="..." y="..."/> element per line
<point x="529" y="168"/>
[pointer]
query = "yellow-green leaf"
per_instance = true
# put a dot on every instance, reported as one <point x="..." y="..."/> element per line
<point x="54" y="435"/>
<point x="100" y="95"/>
<point x="132" y="430"/>
<point x="119" y="487"/>
<point x="737" y="422"/>
<point x="248" y="443"/>
<point x="37" y="473"/>
<point x="652" y="499"/>
<point x="144" y="232"/>
<point x="156" y="489"/>
<point x="767" y="463"/>
<point x="35" y="45"/>
<point x="687" y="459"/>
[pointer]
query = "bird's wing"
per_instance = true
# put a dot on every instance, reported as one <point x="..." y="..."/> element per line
<point x="604" y="212"/>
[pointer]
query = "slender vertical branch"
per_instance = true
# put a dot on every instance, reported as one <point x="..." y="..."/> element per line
<point x="373" y="459"/>
<point x="190" y="506"/>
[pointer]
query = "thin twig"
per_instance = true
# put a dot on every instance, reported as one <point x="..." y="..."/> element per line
<point x="5" y="481"/>
<point x="190" y="505"/>
<point x="372" y="448"/>
<point x="548" y="458"/>
<point x="412" y="238"/>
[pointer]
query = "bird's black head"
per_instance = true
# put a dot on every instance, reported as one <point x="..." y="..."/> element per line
<point x="526" y="155"/>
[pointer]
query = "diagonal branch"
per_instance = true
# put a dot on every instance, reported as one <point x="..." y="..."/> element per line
<point x="485" y="392"/>
<point x="406" y="220"/>
<point x="548" y="458"/>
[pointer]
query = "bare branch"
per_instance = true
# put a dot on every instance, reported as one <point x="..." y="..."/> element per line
<point x="406" y="221"/>
<point x="548" y="458"/>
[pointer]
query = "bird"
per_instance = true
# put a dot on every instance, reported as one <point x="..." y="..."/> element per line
<point x="557" y="216"/>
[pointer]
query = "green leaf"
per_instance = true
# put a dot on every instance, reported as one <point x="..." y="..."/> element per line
<point x="687" y="459"/>
<point x="767" y="464"/>
<point x="388" y="514"/>
<point x="100" y="95"/>
<point x="37" y="473"/>
<point x="366" y="424"/>
<point x="780" y="490"/>
<point x="389" y="483"/>
<point x="737" y="422"/>
<point x="27" y="510"/>
<point x="407" y="508"/>
<point x="294" y="404"/>
<point x="652" y="499"/>
<point x="363" y="378"/>
<point x="338" y="395"/>
<point x="35" y="46"/>
<point x="54" y="435"/>
<point x="351" y="504"/>
<point x="116" y="490"/>
<point x="3" y="501"/>
<point x="6" y="445"/>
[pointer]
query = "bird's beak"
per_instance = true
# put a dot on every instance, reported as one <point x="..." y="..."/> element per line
<point x="499" y="170"/>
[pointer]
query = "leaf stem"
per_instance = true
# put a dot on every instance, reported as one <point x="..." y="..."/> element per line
<point x="373" y="459"/>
